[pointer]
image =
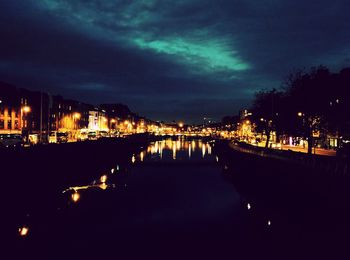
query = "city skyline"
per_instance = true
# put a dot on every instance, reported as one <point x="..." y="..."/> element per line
<point x="167" y="61"/>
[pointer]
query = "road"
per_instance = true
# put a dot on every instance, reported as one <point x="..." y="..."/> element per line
<point x="318" y="151"/>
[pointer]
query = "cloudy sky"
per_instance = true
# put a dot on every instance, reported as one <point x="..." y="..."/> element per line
<point x="168" y="60"/>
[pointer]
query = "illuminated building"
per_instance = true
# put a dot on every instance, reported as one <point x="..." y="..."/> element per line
<point x="10" y="120"/>
<point x="68" y="115"/>
<point x="36" y="113"/>
<point x="23" y="111"/>
<point x="98" y="120"/>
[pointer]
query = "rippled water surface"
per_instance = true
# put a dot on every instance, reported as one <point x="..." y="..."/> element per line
<point x="173" y="199"/>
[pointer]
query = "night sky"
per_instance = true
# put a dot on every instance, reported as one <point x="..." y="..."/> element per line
<point x="168" y="60"/>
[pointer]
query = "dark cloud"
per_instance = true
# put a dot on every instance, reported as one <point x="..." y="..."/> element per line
<point x="168" y="59"/>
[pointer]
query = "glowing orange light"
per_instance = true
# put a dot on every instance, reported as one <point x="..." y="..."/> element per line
<point x="141" y="156"/>
<point x="26" y="109"/>
<point x="103" y="178"/>
<point x="103" y="186"/>
<point x="77" y="115"/>
<point x="23" y="231"/>
<point x="75" y="196"/>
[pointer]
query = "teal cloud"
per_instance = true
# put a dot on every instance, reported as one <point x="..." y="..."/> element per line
<point x="141" y="24"/>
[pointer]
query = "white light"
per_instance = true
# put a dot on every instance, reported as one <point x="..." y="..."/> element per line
<point x="269" y="223"/>
<point x="112" y="170"/>
<point x="248" y="206"/>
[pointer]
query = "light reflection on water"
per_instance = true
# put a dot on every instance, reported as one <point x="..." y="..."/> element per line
<point x="167" y="150"/>
<point x="180" y="149"/>
<point x="99" y="184"/>
<point x="164" y="150"/>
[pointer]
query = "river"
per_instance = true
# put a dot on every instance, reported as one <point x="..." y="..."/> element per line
<point x="171" y="200"/>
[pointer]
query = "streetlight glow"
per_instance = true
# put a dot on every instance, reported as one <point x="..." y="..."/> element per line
<point x="23" y="231"/>
<point x="75" y="196"/>
<point x="26" y="109"/>
<point x="77" y="115"/>
<point x="103" y="178"/>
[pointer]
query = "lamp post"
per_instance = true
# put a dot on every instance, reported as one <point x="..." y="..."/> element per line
<point x="310" y="128"/>
<point x="112" y="124"/>
<point x="24" y="111"/>
<point x="76" y="115"/>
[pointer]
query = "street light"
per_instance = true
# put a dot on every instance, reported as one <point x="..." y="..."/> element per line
<point x="76" y="115"/>
<point x="26" y="109"/>
<point x="112" y="121"/>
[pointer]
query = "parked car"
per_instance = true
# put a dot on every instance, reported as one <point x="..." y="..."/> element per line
<point x="92" y="135"/>
<point x="115" y="133"/>
<point x="82" y="136"/>
<point x="103" y="134"/>
<point x="62" y="137"/>
<point x="53" y="137"/>
<point x="11" y="140"/>
<point x="33" y="139"/>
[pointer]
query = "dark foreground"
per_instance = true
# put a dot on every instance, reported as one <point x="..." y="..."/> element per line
<point x="176" y="199"/>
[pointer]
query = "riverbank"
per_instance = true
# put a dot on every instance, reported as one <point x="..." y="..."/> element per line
<point x="33" y="177"/>
<point x="308" y="207"/>
<point x="323" y="164"/>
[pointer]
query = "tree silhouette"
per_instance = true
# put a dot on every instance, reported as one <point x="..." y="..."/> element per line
<point x="307" y="95"/>
<point x="265" y="109"/>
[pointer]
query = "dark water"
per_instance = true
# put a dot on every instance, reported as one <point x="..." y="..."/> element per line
<point x="172" y="200"/>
